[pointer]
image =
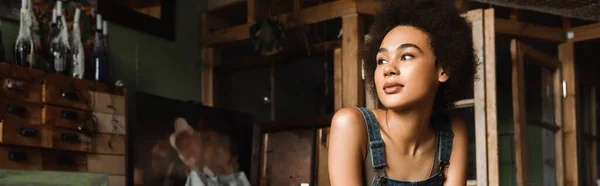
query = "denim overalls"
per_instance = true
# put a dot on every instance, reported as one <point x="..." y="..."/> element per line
<point x="377" y="150"/>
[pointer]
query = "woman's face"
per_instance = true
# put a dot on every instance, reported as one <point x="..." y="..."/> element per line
<point x="406" y="75"/>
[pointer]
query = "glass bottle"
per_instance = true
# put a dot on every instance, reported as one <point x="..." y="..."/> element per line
<point x="60" y="43"/>
<point x="99" y="54"/>
<point x="24" y="43"/>
<point x="77" y="52"/>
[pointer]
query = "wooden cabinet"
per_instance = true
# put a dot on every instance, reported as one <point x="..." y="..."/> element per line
<point x="15" y="111"/>
<point x="14" y="157"/>
<point x="55" y="122"/>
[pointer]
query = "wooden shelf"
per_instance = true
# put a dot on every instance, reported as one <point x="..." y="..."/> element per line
<point x="294" y="124"/>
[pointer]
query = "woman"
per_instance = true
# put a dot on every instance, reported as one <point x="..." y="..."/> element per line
<point x="419" y="60"/>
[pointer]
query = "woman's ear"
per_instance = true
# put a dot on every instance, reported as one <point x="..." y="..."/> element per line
<point x="442" y="75"/>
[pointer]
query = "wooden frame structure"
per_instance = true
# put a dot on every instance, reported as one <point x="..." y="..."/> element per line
<point x="551" y="77"/>
<point x="349" y="88"/>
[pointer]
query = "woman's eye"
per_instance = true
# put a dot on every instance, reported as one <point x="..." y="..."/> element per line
<point x="381" y="61"/>
<point x="407" y="57"/>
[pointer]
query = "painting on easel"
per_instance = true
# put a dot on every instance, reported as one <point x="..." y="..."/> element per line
<point x="170" y="139"/>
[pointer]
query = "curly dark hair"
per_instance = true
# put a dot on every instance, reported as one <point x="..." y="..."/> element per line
<point x="449" y="37"/>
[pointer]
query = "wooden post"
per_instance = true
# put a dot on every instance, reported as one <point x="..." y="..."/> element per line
<point x="337" y="79"/>
<point x="558" y="120"/>
<point x="565" y="53"/>
<point x="297" y="5"/>
<point x="490" y="98"/>
<point x="549" y="146"/>
<point x="323" y="154"/>
<point x="209" y="60"/>
<point x="203" y="24"/>
<point x="251" y="5"/>
<point x="519" y="114"/>
<point x="594" y="142"/>
<point x="476" y="18"/>
<point x="353" y="87"/>
<point x="566" y="56"/>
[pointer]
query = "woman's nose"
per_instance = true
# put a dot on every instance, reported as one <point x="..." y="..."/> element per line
<point x="390" y="70"/>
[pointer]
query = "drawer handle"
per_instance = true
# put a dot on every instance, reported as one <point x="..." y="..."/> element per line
<point x="17" y="156"/>
<point x="14" y="85"/>
<point x="28" y="132"/>
<point x="68" y="95"/>
<point x="16" y="109"/>
<point x="69" y="137"/>
<point x="68" y="115"/>
<point x="65" y="160"/>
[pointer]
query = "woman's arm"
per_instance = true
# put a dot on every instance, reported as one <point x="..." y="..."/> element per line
<point x="347" y="143"/>
<point x="456" y="173"/>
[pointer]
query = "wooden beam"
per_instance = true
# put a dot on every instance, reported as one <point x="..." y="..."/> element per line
<point x="352" y="40"/>
<point x="540" y="58"/>
<point x="209" y="59"/>
<point x="519" y="114"/>
<point x="465" y="103"/>
<point x="566" y="56"/>
<point x="545" y="125"/>
<point x="316" y="14"/>
<point x="368" y="7"/>
<point x="584" y="33"/>
<point x="244" y="62"/>
<point x="512" y="27"/>
<point x="490" y="97"/>
<point x="295" y="124"/>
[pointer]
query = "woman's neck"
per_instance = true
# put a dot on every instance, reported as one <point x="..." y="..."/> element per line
<point x="409" y="128"/>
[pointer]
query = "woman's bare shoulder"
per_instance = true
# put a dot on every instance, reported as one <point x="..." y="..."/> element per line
<point x="351" y="124"/>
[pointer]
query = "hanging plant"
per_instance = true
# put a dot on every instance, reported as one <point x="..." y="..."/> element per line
<point x="267" y="35"/>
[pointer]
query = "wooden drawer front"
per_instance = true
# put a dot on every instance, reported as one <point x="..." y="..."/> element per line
<point x="21" y="158"/>
<point x="21" y="89"/>
<point x="70" y="140"/>
<point x="65" y="117"/>
<point x="109" y="124"/>
<point x="64" y="161"/>
<point x="19" y="112"/>
<point x="65" y="91"/>
<point x="117" y="180"/>
<point x="23" y="134"/>
<point x="108" y="144"/>
<point x="111" y="164"/>
<point x="107" y="103"/>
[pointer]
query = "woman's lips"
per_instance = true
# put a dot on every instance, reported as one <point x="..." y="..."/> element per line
<point x="392" y="87"/>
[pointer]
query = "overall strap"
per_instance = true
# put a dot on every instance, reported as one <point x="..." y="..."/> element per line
<point x="376" y="146"/>
<point x="445" y="140"/>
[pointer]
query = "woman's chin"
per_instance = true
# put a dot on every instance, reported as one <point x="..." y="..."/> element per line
<point x="395" y="105"/>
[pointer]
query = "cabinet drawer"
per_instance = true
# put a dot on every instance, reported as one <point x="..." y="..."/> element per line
<point x="65" y="117"/>
<point x="20" y="112"/>
<point x="24" y="134"/>
<point x="21" y="158"/>
<point x="106" y="103"/>
<point x="70" y="140"/>
<point x="110" y="124"/>
<point x="64" y="161"/>
<point x="21" y="83"/>
<point x="21" y="89"/>
<point x="108" y="144"/>
<point x="66" y="91"/>
<point x="112" y="165"/>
